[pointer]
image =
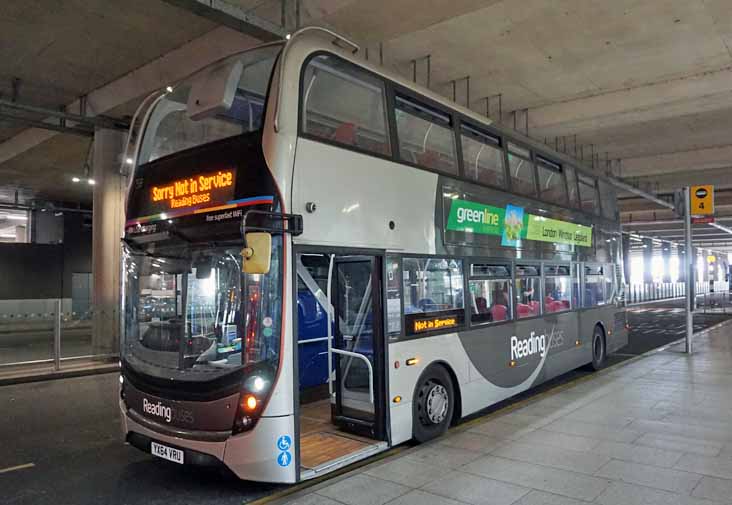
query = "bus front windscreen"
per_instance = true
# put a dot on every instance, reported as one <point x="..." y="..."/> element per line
<point x="192" y="315"/>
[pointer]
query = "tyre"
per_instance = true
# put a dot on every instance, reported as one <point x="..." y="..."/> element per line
<point x="433" y="405"/>
<point x="599" y="349"/>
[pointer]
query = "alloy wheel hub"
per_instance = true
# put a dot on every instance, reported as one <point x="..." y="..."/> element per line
<point x="436" y="404"/>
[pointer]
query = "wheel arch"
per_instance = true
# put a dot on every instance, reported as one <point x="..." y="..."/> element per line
<point x="601" y="325"/>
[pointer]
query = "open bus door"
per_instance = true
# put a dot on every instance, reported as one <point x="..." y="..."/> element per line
<point x="347" y="421"/>
<point x="357" y="350"/>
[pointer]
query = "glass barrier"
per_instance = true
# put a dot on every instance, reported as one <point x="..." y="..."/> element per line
<point x="52" y="332"/>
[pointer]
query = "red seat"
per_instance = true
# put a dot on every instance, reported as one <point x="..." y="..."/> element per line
<point x="345" y="134"/>
<point x="428" y="159"/>
<point x="499" y="312"/>
<point x="534" y="307"/>
<point x="523" y="310"/>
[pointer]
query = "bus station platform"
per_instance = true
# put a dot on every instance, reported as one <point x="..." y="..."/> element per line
<point x="654" y="426"/>
<point x="655" y="429"/>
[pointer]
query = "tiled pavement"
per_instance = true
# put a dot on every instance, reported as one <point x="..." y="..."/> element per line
<point x="656" y="431"/>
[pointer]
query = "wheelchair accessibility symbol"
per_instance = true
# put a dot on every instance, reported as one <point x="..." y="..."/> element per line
<point x="284" y="443"/>
<point x="284" y="459"/>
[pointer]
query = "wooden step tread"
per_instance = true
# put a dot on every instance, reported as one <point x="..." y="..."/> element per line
<point x="321" y="447"/>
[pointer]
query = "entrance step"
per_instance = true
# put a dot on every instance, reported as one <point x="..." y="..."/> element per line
<point x="323" y="452"/>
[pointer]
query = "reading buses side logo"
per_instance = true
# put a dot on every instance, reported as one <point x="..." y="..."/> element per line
<point x="522" y="348"/>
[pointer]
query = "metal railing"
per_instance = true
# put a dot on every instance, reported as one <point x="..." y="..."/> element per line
<point x="662" y="291"/>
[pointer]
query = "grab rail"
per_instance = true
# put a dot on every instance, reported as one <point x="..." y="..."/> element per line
<point x="368" y="365"/>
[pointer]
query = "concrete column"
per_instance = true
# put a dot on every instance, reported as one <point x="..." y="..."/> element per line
<point x="647" y="261"/>
<point x="107" y="228"/>
<point x="682" y="264"/>
<point x="666" y="254"/>
<point x="626" y="257"/>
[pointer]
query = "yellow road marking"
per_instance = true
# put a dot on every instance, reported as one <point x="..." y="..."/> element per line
<point x="19" y="467"/>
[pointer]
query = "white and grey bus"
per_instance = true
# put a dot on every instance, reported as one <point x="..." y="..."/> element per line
<point x="323" y="260"/>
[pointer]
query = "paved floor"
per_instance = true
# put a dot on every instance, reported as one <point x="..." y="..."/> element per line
<point x="657" y="431"/>
<point x="655" y="325"/>
<point x="68" y="429"/>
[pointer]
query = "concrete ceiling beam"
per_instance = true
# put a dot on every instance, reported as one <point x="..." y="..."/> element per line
<point x="235" y="17"/>
<point x="169" y="68"/>
<point x="669" y="182"/>
<point x="660" y="100"/>
<point x="686" y="161"/>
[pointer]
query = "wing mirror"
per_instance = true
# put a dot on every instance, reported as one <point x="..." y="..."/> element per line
<point x="257" y="253"/>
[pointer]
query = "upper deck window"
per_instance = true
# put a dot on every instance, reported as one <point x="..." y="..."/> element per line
<point x="344" y="104"/>
<point x="171" y="127"/>
<point x="482" y="157"/>
<point x="571" y="176"/>
<point x="521" y="169"/>
<point x="589" y="200"/>
<point x="425" y="136"/>
<point x="551" y="182"/>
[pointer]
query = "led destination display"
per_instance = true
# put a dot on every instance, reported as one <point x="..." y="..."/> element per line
<point x="203" y="189"/>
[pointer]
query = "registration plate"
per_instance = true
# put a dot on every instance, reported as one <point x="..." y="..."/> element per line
<point x="165" y="452"/>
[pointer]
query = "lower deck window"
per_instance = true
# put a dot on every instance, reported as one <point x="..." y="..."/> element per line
<point x="593" y="295"/>
<point x="527" y="297"/>
<point x="433" y="294"/>
<point x="490" y="301"/>
<point x="557" y="294"/>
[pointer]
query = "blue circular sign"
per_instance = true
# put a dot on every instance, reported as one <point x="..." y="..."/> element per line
<point x="284" y="443"/>
<point x="284" y="459"/>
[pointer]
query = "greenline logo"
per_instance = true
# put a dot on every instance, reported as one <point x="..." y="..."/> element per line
<point x="513" y="225"/>
<point x="474" y="217"/>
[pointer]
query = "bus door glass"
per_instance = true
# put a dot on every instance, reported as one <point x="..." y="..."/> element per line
<point x="357" y="350"/>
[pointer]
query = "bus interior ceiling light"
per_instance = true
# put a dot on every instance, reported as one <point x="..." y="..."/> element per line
<point x="75" y="179"/>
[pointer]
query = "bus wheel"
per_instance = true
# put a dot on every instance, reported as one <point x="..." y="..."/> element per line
<point x="433" y="405"/>
<point x="599" y="349"/>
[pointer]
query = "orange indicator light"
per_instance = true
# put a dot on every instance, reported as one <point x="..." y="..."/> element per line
<point x="250" y="402"/>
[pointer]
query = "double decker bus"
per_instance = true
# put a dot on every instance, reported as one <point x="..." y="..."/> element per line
<point x="342" y="261"/>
